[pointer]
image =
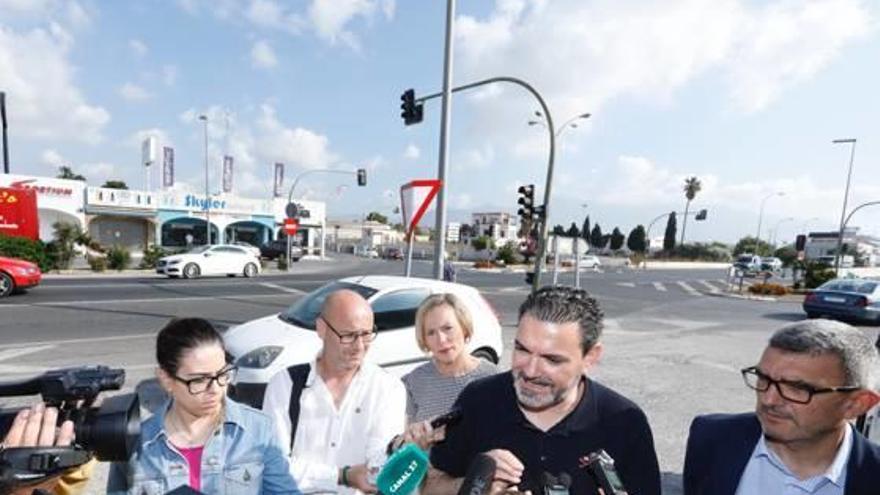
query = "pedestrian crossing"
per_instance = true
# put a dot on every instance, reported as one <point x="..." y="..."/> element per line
<point x="693" y="288"/>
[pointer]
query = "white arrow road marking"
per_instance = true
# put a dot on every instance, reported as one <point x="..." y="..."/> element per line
<point x="282" y="288"/>
<point x="659" y="286"/>
<point x="626" y="284"/>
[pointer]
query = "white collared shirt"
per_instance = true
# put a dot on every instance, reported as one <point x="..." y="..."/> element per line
<point x="371" y="413"/>
<point x="766" y="473"/>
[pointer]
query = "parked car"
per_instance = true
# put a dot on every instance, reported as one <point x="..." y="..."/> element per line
<point x="590" y="261"/>
<point x="748" y="263"/>
<point x="276" y="248"/>
<point x="16" y="275"/>
<point x="217" y="259"/>
<point x="771" y="264"/>
<point x="249" y="247"/>
<point x="262" y="347"/>
<point x="845" y="299"/>
<point x="392" y="253"/>
<point x="366" y="251"/>
<point x="846" y="261"/>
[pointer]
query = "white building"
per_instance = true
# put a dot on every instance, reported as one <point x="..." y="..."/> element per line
<point x="500" y="226"/>
<point x="825" y="244"/>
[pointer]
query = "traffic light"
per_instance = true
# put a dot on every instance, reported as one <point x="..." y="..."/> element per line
<point x="362" y="177"/>
<point x="800" y="242"/>
<point x="410" y="111"/>
<point x="527" y="203"/>
<point x="701" y="215"/>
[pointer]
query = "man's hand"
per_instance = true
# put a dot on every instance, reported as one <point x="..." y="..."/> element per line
<point x="508" y="471"/>
<point x="423" y="435"/>
<point x="357" y="479"/>
<point x="35" y="427"/>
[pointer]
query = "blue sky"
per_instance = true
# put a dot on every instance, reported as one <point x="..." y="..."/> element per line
<point x="746" y="95"/>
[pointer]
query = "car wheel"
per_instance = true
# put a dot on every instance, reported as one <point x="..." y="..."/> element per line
<point x="191" y="270"/>
<point x="295" y="260"/>
<point x="7" y="285"/>
<point x="250" y="270"/>
<point x="485" y="354"/>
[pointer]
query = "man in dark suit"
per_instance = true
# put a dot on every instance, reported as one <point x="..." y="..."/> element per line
<point x="813" y="378"/>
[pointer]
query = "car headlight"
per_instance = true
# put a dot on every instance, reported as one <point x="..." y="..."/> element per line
<point x="261" y="357"/>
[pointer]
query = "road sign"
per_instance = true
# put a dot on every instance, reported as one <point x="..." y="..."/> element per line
<point x="290" y="226"/>
<point x="292" y="210"/>
<point x="415" y="198"/>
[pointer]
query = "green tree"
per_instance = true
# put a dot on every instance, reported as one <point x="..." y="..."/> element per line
<point x="617" y="239"/>
<point x="115" y="184"/>
<point x="585" y="229"/>
<point x="596" y="236"/>
<point x="669" y="236"/>
<point x="692" y="186"/>
<point x="636" y="242"/>
<point x="67" y="237"/>
<point x="508" y="253"/>
<point x="573" y="231"/>
<point x="747" y="245"/>
<point x="65" y="172"/>
<point x="559" y="230"/>
<point x="786" y="254"/>
<point x="375" y="216"/>
<point x="482" y="243"/>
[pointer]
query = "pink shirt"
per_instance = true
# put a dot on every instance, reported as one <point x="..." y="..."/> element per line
<point x="193" y="457"/>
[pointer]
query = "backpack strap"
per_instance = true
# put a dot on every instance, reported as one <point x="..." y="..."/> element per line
<point x="298" y="376"/>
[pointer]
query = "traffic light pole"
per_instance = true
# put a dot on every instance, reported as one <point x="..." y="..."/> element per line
<point x="840" y="236"/>
<point x="290" y="200"/>
<point x="542" y="237"/>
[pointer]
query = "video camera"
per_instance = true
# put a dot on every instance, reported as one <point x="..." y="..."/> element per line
<point x="108" y="432"/>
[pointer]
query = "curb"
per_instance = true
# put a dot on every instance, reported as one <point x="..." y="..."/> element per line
<point x="743" y="297"/>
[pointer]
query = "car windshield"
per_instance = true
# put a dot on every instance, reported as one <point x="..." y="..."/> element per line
<point x="859" y="286"/>
<point x="744" y="259"/>
<point x="304" y="312"/>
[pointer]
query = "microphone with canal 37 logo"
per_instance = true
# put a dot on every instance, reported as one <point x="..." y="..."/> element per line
<point x="480" y="474"/>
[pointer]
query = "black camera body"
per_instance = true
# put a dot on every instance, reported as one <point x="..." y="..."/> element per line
<point x="600" y="465"/>
<point x="109" y="432"/>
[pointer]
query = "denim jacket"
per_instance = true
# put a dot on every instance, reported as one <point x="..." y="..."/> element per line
<point x="242" y="457"/>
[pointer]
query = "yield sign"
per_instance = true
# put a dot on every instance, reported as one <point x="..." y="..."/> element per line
<point x="415" y="197"/>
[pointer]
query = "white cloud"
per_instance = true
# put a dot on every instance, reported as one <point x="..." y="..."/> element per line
<point x="475" y="158"/>
<point x="52" y="158"/>
<point x="269" y="14"/>
<point x="136" y="139"/>
<point x="138" y="47"/>
<point x="584" y="54"/>
<point x="294" y="146"/>
<point x="412" y="152"/>
<point x="262" y="55"/>
<point x="38" y="79"/>
<point x="69" y="12"/>
<point x="133" y="92"/>
<point x="330" y="17"/>
<point x="98" y="172"/>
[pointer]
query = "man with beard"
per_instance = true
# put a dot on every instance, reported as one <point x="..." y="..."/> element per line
<point x="813" y="378"/>
<point x="546" y="415"/>
<point x="346" y="409"/>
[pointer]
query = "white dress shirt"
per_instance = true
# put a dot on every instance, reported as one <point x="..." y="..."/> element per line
<point x="371" y="413"/>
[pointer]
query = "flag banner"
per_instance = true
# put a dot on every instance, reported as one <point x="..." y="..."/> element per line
<point x="279" y="179"/>
<point x="167" y="166"/>
<point x="227" y="174"/>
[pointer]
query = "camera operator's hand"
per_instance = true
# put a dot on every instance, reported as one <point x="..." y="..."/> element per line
<point x="508" y="471"/>
<point x="423" y="435"/>
<point x="35" y="427"/>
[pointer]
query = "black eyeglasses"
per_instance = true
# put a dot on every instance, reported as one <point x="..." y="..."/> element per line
<point x="797" y="392"/>
<point x="201" y="384"/>
<point x="349" y="338"/>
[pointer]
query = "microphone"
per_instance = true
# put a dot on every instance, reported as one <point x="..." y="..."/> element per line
<point x="556" y="485"/>
<point x="404" y="471"/>
<point x="480" y="474"/>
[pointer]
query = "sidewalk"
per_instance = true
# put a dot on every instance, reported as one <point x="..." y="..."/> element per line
<point x="306" y="264"/>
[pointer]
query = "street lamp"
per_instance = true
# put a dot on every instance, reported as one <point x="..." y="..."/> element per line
<point x="776" y="229"/>
<point x="204" y="118"/>
<point x="761" y="217"/>
<point x="572" y="122"/>
<point x="852" y="155"/>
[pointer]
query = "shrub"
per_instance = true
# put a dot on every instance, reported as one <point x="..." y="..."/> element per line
<point x="118" y="258"/>
<point x="507" y="254"/>
<point x="26" y="249"/>
<point x="282" y="263"/>
<point x="701" y="251"/>
<point x="97" y="263"/>
<point x="151" y="257"/>
<point x="817" y="273"/>
<point x="768" y="289"/>
<point x="484" y="264"/>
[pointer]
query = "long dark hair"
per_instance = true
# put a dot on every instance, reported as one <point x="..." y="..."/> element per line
<point x="181" y="335"/>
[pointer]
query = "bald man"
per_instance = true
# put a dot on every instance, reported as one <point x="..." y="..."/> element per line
<point x="337" y="412"/>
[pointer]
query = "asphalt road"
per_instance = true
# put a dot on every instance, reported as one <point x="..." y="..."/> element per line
<point x="673" y="344"/>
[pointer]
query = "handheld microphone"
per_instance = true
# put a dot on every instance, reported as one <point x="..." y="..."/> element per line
<point x="600" y="465"/>
<point x="403" y="472"/>
<point x="556" y="485"/>
<point x="480" y="474"/>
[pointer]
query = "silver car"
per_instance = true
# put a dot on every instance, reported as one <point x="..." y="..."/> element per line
<point x="845" y="299"/>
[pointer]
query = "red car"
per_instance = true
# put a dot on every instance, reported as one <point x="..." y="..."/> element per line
<point x="17" y="274"/>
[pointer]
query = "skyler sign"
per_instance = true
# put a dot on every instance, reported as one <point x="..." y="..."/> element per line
<point x="193" y="202"/>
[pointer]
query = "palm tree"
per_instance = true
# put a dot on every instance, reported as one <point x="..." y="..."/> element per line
<point x="692" y="186"/>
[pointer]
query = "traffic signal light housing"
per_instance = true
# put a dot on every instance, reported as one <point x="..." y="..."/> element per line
<point x="362" y="177"/>
<point x="410" y="111"/>
<point x="701" y="215"/>
<point x="527" y="203"/>
<point x="800" y="242"/>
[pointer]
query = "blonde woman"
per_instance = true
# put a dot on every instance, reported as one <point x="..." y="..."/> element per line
<point x="443" y="329"/>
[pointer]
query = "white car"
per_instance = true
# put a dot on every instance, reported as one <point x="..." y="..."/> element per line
<point x="248" y="247"/>
<point x="262" y="347"/>
<point x="217" y="259"/>
<point x="590" y="261"/>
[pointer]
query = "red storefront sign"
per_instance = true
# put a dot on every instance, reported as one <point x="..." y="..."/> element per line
<point x="18" y="213"/>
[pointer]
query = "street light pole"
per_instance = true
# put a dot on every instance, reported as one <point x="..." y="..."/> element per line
<point x="761" y="218"/>
<point x="776" y="229"/>
<point x="445" y="117"/>
<point x="204" y="118"/>
<point x="852" y="155"/>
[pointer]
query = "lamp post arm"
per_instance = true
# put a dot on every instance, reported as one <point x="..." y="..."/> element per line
<point x="840" y="235"/>
<point x="309" y="172"/>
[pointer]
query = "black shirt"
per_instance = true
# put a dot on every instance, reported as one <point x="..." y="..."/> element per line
<point x="602" y="419"/>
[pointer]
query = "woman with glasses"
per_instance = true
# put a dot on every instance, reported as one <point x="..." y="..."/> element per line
<point x="200" y="438"/>
<point x="444" y="327"/>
